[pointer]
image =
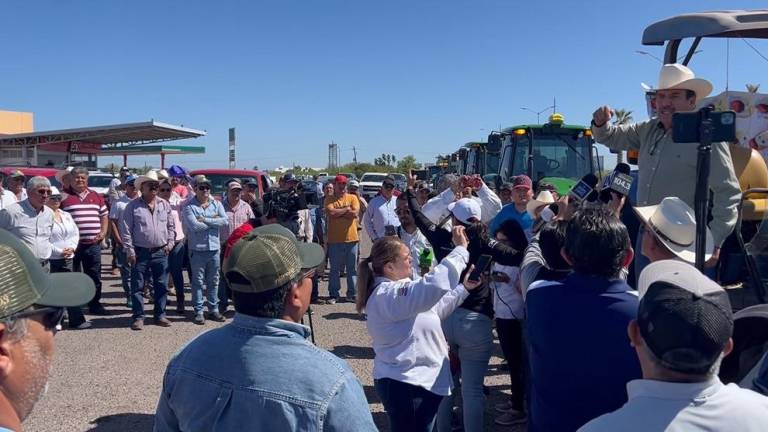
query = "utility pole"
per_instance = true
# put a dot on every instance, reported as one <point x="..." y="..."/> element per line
<point x="354" y="155"/>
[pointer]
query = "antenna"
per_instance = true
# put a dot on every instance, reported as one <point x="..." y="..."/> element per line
<point x="554" y="105"/>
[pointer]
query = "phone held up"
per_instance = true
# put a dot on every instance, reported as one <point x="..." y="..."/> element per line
<point x="481" y="266"/>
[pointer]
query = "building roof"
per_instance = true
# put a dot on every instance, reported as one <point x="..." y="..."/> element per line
<point x="151" y="150"/>
<point x="109" y="136"/>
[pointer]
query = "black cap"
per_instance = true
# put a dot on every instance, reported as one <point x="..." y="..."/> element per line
<point x="684" y="317"/>
<point x="290" y="177"/>
<point x="388" y="182"/>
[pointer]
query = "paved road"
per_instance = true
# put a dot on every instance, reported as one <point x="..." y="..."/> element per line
<point x="108" y="378"/>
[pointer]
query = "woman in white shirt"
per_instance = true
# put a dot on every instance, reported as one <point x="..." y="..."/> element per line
<point x="64" y="238"/>
<point x="411" y="369"/>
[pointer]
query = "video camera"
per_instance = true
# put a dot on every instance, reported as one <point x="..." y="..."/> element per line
<point x="687" y="126"/>
<point x="283" y="205"/>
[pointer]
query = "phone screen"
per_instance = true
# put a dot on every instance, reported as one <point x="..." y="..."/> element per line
<point x="481" y="266"/>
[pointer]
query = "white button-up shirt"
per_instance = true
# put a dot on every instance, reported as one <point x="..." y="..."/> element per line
<point x="683" y="407"/>
<point x="33" y="228"/>
<point x="379" y="214"/>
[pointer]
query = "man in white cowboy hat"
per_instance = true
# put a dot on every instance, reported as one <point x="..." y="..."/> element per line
<point x="148" y="232"/>
<point x="670" y="231"/>
<point x="667" y="168"/>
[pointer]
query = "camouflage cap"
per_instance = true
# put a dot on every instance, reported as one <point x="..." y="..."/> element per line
<point x="24" y="282"/>
<point x="268" y="257"/>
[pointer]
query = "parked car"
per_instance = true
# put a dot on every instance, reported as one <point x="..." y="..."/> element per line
<point x="401" y="181"/>
<point x="47" y="172"/>
<point x="99" y="182"/>
<point x="220" y="177"/>
<point x="349" y="176"/>
<point x="370" y="184"/>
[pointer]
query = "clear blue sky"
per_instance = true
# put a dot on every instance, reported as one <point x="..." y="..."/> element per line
<point x="405" y="77"/>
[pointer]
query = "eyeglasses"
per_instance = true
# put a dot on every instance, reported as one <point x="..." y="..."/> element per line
<point x="388" y="186"/>
<point x="203" y="188"/>
<point x="52" y="317"/>
<point x="165" y="190"/>
<point x="43" y="191"/>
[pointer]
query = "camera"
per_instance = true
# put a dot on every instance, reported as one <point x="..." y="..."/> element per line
<point x="686" y="126"/>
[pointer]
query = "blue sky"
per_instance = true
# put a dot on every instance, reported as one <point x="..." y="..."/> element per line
<point x="405" y="77"/>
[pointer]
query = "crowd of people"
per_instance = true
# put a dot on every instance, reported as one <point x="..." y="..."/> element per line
<point x="586" y="348"/>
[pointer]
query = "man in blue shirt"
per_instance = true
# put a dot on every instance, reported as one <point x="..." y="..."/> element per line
<point x="522" y="192"/>
<point x="259" y="373"/>
<point x="580" y="356"/>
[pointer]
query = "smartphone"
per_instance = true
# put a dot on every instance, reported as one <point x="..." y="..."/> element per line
<point x="389" y="230"/>
<point x="686" y="126"/>
<point x="581" y="190"/>
<point x="481" y="266"/>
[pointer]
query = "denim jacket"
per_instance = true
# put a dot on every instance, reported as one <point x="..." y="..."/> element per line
<point x="260" y="374"/>
<point x="202" y="225"/>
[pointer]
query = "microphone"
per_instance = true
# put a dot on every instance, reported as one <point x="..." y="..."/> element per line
<point x="584" y="190"/>
<point x="619" y="182"/>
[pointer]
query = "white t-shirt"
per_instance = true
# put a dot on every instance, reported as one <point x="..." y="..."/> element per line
<point x="116" y="211"/>
<point x="404" y="321"/>
<point x="507" y="298"/>
<point x="685" y="407"/>
<point x="7" y="198"/>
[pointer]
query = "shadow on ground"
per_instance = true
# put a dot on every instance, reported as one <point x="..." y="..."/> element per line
<point x="124" y="422"/>
<point x="353" y="352"/>
<point x="343" y="315"/>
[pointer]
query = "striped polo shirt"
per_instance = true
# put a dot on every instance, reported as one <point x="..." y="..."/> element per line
<point x="86" y="209"/>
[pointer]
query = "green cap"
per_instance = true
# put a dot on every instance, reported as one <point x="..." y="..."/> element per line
<point x="268" y="257"/>
<point x="24" y="282"/>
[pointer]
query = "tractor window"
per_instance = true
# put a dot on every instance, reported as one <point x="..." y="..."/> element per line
<point x="560" y="155"/>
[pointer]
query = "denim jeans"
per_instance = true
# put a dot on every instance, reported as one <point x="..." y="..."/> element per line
<point x="176" y="266"/>
<point x="205" y="270"/>
<point x="88" y="257"/>
<point x="409" y="407"/>
<point x="121" y="262"/>
<point x="156" y="264"/>
<point x="469" y="335"/>
<point x="66" y="265"/>
<point x="342" y="255"/>
<point x="512" y="345"/>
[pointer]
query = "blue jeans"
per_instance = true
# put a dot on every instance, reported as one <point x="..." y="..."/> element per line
<point x="65" y="265"/>
<point x="469" y="335"/>
<point x="342" y="255"/>
<point x="176" y="266"/>
<point x="205" y="270"/>
<point x="88" y="257"/>
<point x="121" y="262"/>
<point x="154" y="264"/>
<point x="409" y="407"/>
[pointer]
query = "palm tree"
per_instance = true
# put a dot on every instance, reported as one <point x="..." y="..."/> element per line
<point x="753" y="88"/>
<point x="621" y="117"/>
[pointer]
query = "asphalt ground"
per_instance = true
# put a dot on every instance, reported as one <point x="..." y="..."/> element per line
<point x="108" y="378"/>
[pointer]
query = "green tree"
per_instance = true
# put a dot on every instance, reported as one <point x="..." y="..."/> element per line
<point x="407" y="163"/>
<point x="621" y="117"/>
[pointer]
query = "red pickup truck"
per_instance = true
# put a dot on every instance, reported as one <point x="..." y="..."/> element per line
<point x="219" y="178"/>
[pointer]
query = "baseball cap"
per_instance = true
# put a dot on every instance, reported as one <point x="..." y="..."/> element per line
<point x="684" y="317"/>
<point x="522" y="181"/>
<point x="201" y="179"/>
<point x="340" y="179"/>
<point x="251" y="182"/>
<point x="290" y="177"/>
<point x="16" y="174"/>
<point x="268" y="257"/>
<point x="464" y="209"/>
<point x="130" y="179"/>
<point x="25" y="282"/>
<point x="506" y="186"/>
<point x="234" y="184"/>
<point x="125" y="168"/>
<point x="354" y="183"/>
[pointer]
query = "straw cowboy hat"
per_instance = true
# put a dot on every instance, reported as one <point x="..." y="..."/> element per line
<point x="61" y="173"/>
<point x="673" y="223"/>
<point x="149" y="176"/>
<point x="543" y="198"/>
<point x="676" y="76"/>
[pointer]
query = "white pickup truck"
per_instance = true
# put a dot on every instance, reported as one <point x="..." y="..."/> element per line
<point x="370" y="184"/>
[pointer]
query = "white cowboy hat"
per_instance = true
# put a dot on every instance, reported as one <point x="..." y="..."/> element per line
<point x="61" y="173"/>
<point x="673" y="223"/>
<point x="149" y="176"/>
<point x="162" y="174"/>
<point x="677" y="76"/>
<point x="543" y="198"/>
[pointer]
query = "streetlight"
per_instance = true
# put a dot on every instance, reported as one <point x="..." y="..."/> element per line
<point x="538" y="113"/>
<point x="646" y="53"/>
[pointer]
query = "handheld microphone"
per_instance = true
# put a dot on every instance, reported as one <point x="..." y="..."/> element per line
<point x="619" y="182"/>
<point x="584" y="190"/>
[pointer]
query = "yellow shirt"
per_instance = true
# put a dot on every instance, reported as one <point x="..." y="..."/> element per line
<point x="342" y="229"/>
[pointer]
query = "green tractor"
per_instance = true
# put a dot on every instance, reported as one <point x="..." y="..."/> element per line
<point x="554" y="152"/>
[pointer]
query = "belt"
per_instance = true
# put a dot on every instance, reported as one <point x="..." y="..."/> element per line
<point x="155" y="249"/>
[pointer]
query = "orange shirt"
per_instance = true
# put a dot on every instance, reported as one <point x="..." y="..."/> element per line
<point x="342" y="229"/>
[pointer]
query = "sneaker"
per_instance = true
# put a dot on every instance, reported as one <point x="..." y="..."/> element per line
<point x="331" y="301"/>
<point x="505" y="406"/>
<point x="318" y="301"/>
<point x="98" y="309"/>
<point x="350" y="299"/>
<point x="138" y="324"/>
<point x="216" y="316"/>
<point x="511" y="418"/>
<point x="82" y="326"/>
<point x="162" y="322"/>
<point x="199" y="319"/>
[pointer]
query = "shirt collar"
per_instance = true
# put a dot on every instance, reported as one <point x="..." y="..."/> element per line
<point x="272" y="326"/>
<point x="693" y="392"/>
<point x="597" y="283"/>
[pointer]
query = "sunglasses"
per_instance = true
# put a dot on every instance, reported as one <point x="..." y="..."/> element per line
<point x="43" y="191"/>
<point x="153" y="186"/>
<point x="165" y="190"/>
<point x="51" y="317"/>
<point x="203" y="188"/>
<point x="388" y="186"/>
